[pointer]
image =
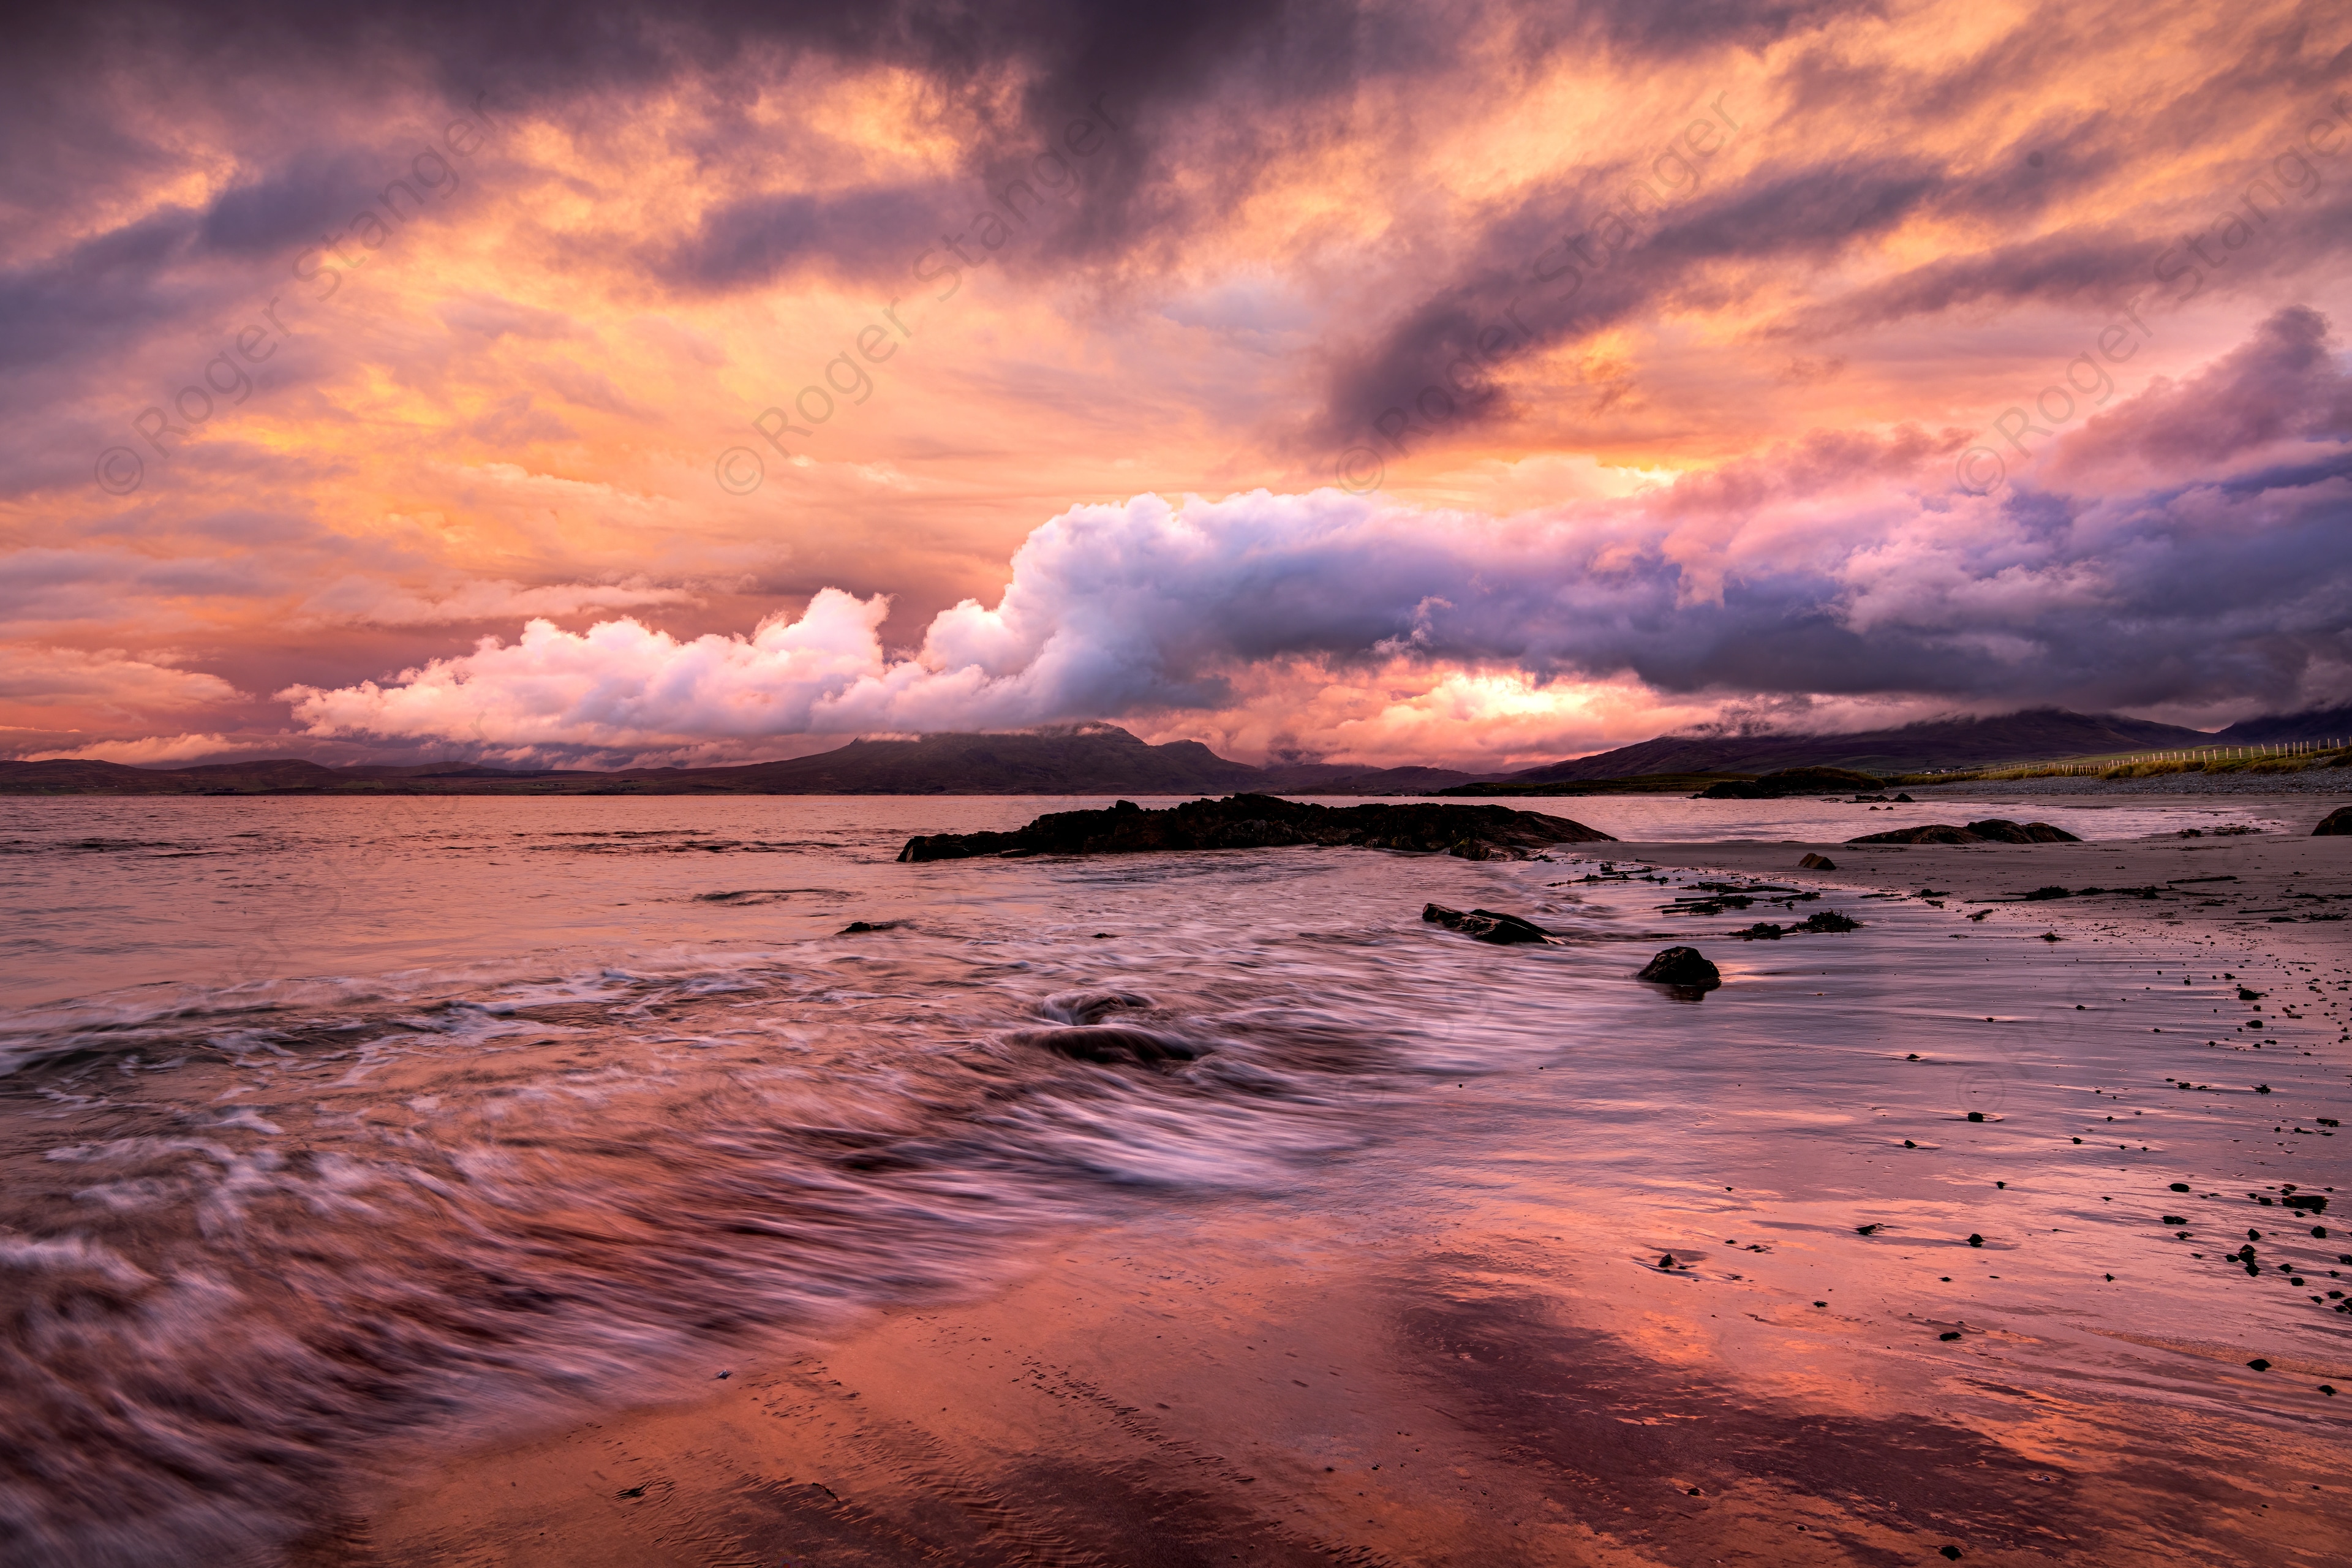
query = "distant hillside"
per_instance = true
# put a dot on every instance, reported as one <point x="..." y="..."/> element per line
<point x="1087" y="760"/>
<point x="2317" y="724"/>
<point x="1103" y="759"/>
<point x="1937" y="744"/>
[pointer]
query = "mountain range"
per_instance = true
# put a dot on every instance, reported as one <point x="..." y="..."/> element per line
<point x="1103" y="759"/>
<point x="2034" y="735"/>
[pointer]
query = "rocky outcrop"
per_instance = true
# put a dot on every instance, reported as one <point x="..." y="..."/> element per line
<point x="1266" y="822"/>
<point x="2336" y="824"/>
<point x="1485" y="925"/>
<point x="1992" y="830"/>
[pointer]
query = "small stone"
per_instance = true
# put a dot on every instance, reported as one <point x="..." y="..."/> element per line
<point x="1975" y="1240"/>
<point x="1816" y="863"/>
<point x="1952" y="1553"/>
<point x="2181" y="1186"/>
<point x="2258" y="1365"/>
<point x="1949" y="1335"/>
<point x="1975" y="1116"/>
<point x="1871" y="1229"/>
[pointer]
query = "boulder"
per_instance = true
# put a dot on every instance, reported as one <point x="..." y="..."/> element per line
<point x="2336" y="824"/>
<point x="1816" y="863"/>
<point x="1683" y="967"/>
<point x="2000" y="830"/>
<point x="1992" y="830"/>
<point x="1933" y="833"/>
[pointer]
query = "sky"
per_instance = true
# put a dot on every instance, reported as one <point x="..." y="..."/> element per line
<point x="1473" y="384"/>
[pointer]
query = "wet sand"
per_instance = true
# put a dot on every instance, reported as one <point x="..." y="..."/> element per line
<point x="1505" y="1378"/>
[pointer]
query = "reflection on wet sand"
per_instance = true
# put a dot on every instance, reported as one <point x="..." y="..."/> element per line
<point x="1189" y="1209"/>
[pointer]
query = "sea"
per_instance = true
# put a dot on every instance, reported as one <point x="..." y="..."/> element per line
<point x="337" y="1130"/>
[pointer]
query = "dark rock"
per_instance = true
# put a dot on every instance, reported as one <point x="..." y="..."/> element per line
<point x="1826" y="921"/>
<point x="2336" y="824"/>
<point x="2040" y="893"/>
<point x="1992" y="830"/>
<point x="1263" y="822"/>
<point x="1933" y="833"/>
<point x="1948" y="1335"/>
<point x="1816" y="863"/>
<point x="1684" y="967"/>
<point x="1762" y="931"/>
<point x="1975" y="1240"/>
<point x="2258" y="1365"/>
<point x="1790" y="780"/>
<point x="2311" y="1202"/>
<point x="2181" y="1186"/>
<point x="1110" y="1044"/>
<point x="854" y="927"/>
<point x="1975" y="1116"/>
<point x="1485" y="925"/>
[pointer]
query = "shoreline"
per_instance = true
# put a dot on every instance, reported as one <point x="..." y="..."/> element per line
<point x="1272" y="1381"/>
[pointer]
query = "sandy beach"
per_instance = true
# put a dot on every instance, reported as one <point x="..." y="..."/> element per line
<point x="1510" y="1378"/>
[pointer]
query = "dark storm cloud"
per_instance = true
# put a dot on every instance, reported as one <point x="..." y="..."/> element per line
<point x="761" y="237"/>
<point x="2283" y="385"/>
<point x="260" y="216"/>
<point x="96" y="292"/>
<point x="1572" y="260"/>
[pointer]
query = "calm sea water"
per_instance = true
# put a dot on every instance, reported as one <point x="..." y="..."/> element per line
<point x="327" y="1126"/>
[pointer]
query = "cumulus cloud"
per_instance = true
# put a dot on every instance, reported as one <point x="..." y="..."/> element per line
<point x="1844" y="566"/>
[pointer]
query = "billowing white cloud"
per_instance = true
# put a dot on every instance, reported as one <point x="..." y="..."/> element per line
<point x="1846" y="571"/>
